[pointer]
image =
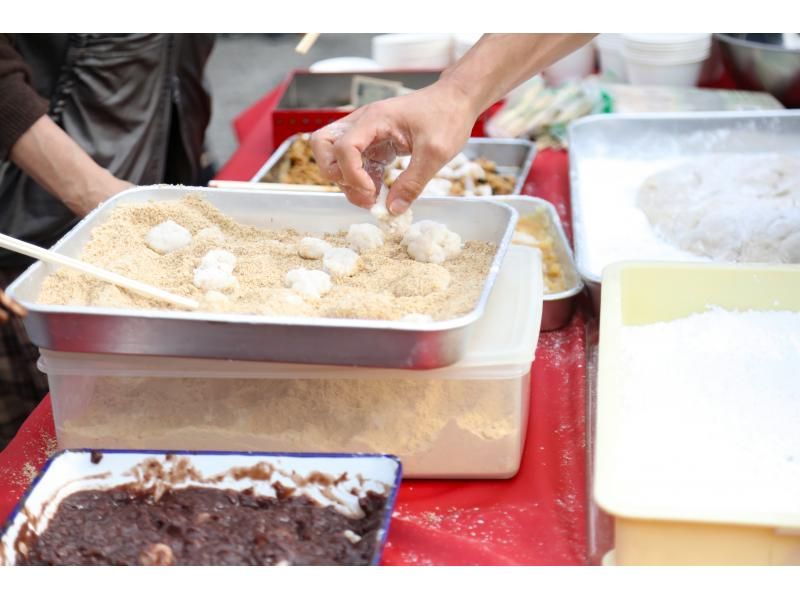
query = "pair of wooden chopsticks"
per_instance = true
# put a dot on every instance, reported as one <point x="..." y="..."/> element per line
<point x="57" y="259"/>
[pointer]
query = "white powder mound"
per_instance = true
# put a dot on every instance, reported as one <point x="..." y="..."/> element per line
<point x="364" y="237"/>
<point x="341" y="262"/>
<point x="167" y="237"/>
<point x="611" y="226"/>
<point x="710" y="414"/>
<point x="309" y="283"/>
<point x="311" y="248"/>
<point x="432" y="242"/>
<point x="732" y="208"/>
<point x="215" y="272"/>
<point x="392" y="226"/>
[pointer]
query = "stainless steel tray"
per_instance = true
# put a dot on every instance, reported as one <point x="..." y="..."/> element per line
<point x="512" y="156"/>
<point x="558" y="307"/>
<point x="371" y="343"/>
<point x="660" y="136"/>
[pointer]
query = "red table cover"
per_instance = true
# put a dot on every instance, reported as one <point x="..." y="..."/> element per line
<point x="536" y="518"/>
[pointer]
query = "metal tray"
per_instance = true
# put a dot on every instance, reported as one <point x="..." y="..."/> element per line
<point x="332" y="341"/>
<point x="558" y="307"/>
<point x="72" y="471"/>
<point x="307" y="91"/>
<point x="512" y="156"/>
<point x="669" y="135"/>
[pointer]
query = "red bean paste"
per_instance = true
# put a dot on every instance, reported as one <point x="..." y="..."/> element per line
<point x="204" y="526"/>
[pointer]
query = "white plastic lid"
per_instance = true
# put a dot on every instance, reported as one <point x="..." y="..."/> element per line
<point x="503" y="343"/>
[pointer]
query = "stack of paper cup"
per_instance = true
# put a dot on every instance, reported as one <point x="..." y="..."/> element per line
<point x="612" y="62"/>
<point x="665" y="58"/>
<point x="413" y="50"/>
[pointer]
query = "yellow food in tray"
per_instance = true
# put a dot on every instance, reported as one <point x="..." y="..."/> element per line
<point x="297" y="167"/>
<point x="460" y="177"/>
<point x="535" y="230"/>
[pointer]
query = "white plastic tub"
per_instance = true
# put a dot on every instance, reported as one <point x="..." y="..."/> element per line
<point x="463" y="421"/>
<point x="684" y="74"/>
<point x="413" y="50"/>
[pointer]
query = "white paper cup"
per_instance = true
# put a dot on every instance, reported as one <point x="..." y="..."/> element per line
<point x="413" y="50"/>
<point x="686" y="74"/>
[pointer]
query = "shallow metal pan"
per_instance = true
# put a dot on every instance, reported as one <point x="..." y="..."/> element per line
<point x="369" y="343"/>
<point x="512" y="156"/>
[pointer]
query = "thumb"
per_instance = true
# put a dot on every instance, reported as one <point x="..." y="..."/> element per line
<point x="410" y="184"/>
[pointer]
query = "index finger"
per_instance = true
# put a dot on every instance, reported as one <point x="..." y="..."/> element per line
<point x="322" y="142"/>
<point x="348" y="150"/>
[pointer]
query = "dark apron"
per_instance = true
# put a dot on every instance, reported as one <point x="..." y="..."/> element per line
<point x="134" y="102"/>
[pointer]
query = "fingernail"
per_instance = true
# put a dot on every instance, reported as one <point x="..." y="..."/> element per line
<point x="399" y="206"/>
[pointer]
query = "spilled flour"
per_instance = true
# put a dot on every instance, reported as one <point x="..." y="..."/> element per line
<point x="388" y="285"/>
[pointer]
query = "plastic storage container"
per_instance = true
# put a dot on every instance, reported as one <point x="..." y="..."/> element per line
<point x="674" y="59"/>
<point x="463" y="421"/>
<point x="683" y="524"/>
<point x="413" y="50"/>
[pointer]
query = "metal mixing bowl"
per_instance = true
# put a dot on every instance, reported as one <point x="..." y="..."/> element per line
<point x="763" y="62"/>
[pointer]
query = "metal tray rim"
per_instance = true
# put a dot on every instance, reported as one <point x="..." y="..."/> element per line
<point x="693" y="115"/>
<point x="556" y="219"/>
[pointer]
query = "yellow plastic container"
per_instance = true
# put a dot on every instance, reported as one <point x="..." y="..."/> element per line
<point x="644" y="293"/>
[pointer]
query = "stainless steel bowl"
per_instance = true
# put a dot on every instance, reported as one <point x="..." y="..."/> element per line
<point x="763" y="62"/>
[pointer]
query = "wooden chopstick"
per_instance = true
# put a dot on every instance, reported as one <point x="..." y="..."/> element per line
<point x="51" y="257"/>
<point x="305" y="44"/>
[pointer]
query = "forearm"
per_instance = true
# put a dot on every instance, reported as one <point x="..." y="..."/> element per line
<point x="49" y="156"/>
<point x="501" y="61"/>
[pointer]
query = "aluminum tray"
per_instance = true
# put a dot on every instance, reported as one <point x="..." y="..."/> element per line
<point x="661" y="136"/>
<point x="512" y="156"/>
<point x="72" y="471"/>
<point x="558" y="307"/>
<point x="369" y="343"/>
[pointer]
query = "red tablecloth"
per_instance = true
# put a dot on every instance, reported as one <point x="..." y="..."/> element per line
<point x="536" y="518"/>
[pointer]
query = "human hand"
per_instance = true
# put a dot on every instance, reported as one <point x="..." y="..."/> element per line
<point x="7" y="304"/>
<point x="432" y="125"/>
<point x="93" y="191"/>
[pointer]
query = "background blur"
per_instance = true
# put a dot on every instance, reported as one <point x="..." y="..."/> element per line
<point x="244" y="67"/>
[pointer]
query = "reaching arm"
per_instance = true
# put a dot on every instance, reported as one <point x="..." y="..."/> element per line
<point x="434" y="123"/>
<point x="30" y="139"/>
<point x="50" y="156"/>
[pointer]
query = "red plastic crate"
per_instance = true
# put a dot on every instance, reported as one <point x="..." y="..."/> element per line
<point x="309" y="100"/>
